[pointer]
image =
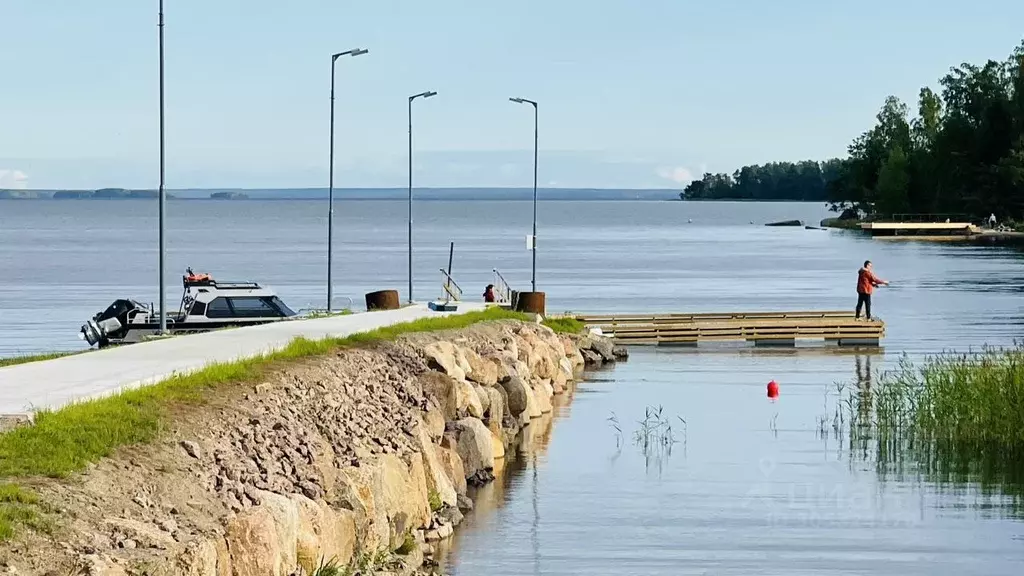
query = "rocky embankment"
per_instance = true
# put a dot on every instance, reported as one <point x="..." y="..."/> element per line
<point x="363" y="457"/>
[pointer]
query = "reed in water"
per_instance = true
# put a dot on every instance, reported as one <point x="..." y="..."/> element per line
<point x="955" y="417"/>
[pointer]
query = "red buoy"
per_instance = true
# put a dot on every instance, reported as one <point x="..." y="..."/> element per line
<point x="773" y="390"/>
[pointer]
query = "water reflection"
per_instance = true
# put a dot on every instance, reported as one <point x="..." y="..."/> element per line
<point x="516" y="474"/>
<point x="756" y="490"/>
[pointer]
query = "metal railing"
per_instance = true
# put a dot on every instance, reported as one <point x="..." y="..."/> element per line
<point x="920" y="218"/>
<point x="452" y="291"/>
<point x="502" y="289"/>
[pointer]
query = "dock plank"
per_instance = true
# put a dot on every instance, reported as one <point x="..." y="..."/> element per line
<point x="827" y="326"/>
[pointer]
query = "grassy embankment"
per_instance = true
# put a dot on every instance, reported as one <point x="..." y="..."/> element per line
<point x="64" y="441"/>
<point x="13" y="360"/>
<point x="956" y="417"/>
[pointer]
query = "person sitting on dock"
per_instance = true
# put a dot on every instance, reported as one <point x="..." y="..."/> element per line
<point x="489" y="293"/>
<point x="866" y="283"/>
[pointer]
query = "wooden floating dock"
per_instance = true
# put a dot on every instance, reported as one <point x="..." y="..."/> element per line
<point x="920" y="230"/>
<point x="761" y="328"/>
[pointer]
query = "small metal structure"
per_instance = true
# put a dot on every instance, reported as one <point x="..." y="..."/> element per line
<point x="502" y="290"/>
<point x="452" y="291"/>
<point x="759" y="328"/>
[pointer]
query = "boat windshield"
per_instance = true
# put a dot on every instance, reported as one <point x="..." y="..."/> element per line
<point x="282" y="306"/>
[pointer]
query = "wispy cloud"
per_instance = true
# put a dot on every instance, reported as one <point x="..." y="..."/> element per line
<point x="14" y="179"/>
<point x="677" y="174"/>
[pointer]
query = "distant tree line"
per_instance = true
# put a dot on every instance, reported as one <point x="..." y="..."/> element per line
<point x="807" y="180"/>
<point x="963" y="153"/>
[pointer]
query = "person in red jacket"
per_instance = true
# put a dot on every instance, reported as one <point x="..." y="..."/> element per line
<point x="866" y="283"/>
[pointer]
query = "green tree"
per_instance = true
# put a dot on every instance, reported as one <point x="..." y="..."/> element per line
<point x="893" y="184"/>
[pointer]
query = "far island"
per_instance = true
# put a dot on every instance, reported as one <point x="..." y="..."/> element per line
<point x="100" y="194"/>
<point x="229" y="196"/>
<point x="805" y="181"/>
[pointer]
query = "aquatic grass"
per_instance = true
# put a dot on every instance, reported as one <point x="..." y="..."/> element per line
<point x="956" y="399"/>
<point x="955" y="417"/>
<point x="64" y="441"/>
<point x="654" y="435"/>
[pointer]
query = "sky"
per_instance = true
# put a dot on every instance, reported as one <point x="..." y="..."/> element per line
<point x="632" y="93"/>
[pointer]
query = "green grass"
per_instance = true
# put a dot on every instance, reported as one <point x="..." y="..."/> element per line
<point x="408" y="545"/>
<point x="564" y="325"/>
<point x="11" y="361"/>
<point x="18" y="507"/>
<point x="435" y="500"/>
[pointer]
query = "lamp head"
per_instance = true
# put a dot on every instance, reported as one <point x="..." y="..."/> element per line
<point x="353" y="52"/>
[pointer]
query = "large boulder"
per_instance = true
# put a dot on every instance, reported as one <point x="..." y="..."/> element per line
<point x="568" y="367"/>
<point x="544" y="360"/>
<point x="572" y="353"/>
<point x="253" y="544"/>
<point x="559" y="381"/>
<point x="444" y="391"/>
<point x="485" y="399"/>
<point x="286" y="522"/>
<point x="390" y="497"/>
<point x="604" y="347"/>
<point x="482" y="371"/>
<point x="474" y="446"/>
<point x="198" y="559"/>
<point x="324" y="532"/>
<point x="542" y="393"/>
<point x="446" y="357"/>
<point x="453" y="468"/>
<point x="495" y="411"/>
<point x="533" y="405"/>
<point x="467" y="400"/>
<point x="498" y="449"/>
<point x="434" y="420"/>
<point x="518" y="395"/>
<point x="437" y="479"/>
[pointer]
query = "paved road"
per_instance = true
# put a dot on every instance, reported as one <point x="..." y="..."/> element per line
<point x="51" y="384"/>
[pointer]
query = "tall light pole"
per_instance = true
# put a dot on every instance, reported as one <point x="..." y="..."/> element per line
<point x="536" y="140"/>
<point x="162" y="194"/>
<point x="330" y="188"/>
<point x="411" y="98"/>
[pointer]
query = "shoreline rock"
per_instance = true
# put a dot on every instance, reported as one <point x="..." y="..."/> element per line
<point x="366" y="455"/>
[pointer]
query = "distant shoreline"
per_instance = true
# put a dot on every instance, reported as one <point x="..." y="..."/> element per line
<point x="451" y="194"/>
<point x="752" y="200"/>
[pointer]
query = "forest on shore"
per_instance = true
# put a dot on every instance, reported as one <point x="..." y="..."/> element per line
<point x="961" y="153"/>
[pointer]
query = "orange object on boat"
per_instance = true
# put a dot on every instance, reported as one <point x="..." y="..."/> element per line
<point x="197" y="277"/>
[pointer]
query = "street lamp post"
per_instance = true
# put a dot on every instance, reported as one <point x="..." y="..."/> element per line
<point x="411" y="98"/>
<point x="330" y="189"/>
<point x="162" y="194"/>
<point x="536" y="141"/>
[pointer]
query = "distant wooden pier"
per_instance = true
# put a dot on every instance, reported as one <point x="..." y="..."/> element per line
<point x="760" y="328"/>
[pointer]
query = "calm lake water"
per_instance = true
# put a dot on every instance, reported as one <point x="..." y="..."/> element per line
<point x="750" y="487"/>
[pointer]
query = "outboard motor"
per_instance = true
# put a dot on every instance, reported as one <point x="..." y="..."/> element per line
<point x="99" y="330"/>
<point x="95" y="332"/>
